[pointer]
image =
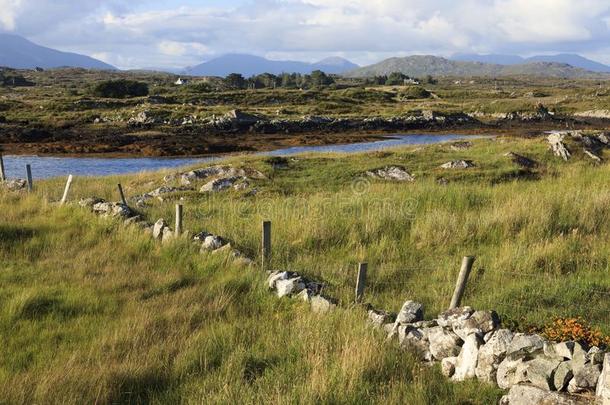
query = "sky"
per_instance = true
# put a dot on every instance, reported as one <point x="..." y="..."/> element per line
<point x="180" y="33"/>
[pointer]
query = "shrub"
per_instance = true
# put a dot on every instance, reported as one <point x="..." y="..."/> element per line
<point x="575" y="329"/>
<point x="413" y="93"/>
<point x="120" y="89"/>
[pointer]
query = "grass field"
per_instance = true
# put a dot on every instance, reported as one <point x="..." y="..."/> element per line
<point x="94" y="311"/>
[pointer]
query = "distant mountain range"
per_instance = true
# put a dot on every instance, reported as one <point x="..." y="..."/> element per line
<point x="20" y="53"/>
<point x="566" y="58"/>
<point x="249" y="65"/>
<point x="422" y="65"/>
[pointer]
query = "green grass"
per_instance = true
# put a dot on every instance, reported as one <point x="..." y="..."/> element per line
<point x="92" y="310"/>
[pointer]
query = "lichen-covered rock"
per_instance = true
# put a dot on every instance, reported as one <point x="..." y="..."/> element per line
<point x="524" y="345"/>
<point x="443" y="343"/>
<point x="410" y="312"/>
<point x="491" y="355"/>
<point x="480" y="322"/>
<point x="112" y="209"/>
<point x="212" y="242"/>
<point x="562" y="376"/>
<point x="89" y="202"/>
<point x="458" y="164"/>
<point x="395" y="173"/>
<point x="465" y="367"/>
<point x="379" y="318"/>
<point x="448" y="366"/>
<point x="506" y="374"/>
<point x="529" y="395"/>
<point x="415" y="339"/>
<point x="15" y="185"/>
<point x="585" y="379"/>
<point x="220" y="184"/>
<point x="539" y="372"/>
<point x="448" y="318"/>
<point x="595" y="355"/>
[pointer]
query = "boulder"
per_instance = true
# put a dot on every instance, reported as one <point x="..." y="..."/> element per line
<point x="90" y="202"/>
<point x="585" y="379"/>
<point x="415" y="339"/>
<point x="395" y="173"/>
<point x="168" y="235"/>
<point x="524" y="345"/>
<point x="212" y="242"/>
<point x="379" y="318"/>
<point x="521" y="161"/>
<point x="289" y="286"/>
<point x="465" y="367"/>
<point x="480" y="322"/>
<point x="448" y="318"/>
<point x="443" y="343"/>
<point x="448" y="366"/>
<point x="410" y="312"/>
<point x="491" y="355"/>
<point x="220" y="184"/>
<point x="158" y="228"/>
<point x="506" y="375"/>
<point x="603" y="383"/>
<point x="15" y="185"/>
<point x="529" y="395"/>
<point x="458" y="164"/>
<point x="595" y="355"/>
<point x="562" y="376"/>
<point x="321" y="305"/>
<point x="557" y="145"/>
<point x="539" y="372"/>
<point x="276" y="276"/>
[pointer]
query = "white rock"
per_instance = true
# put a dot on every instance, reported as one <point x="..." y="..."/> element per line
<point x="443" y="343"/>
<point x="448" y="318"/>
<point x="506" y="374"/>
<point x="603" y="383"/>
<point x="212" y="242"/>
<point x="158" y="229"/>
<point x="491" y="355"/>
<point x="525" y="345"/>
<point x="585" y="379"/>
<point x="530" y="395"/>
<point x="466" y="364"/>
<point x="321" y="304"/>
<point x="289" y="287"/>
<point x="275" y="277"/>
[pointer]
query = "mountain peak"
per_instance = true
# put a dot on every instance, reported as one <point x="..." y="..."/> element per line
<point x="20" y="53"/>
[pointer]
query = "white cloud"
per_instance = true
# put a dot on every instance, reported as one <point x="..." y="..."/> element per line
<point x="145" y="33"/>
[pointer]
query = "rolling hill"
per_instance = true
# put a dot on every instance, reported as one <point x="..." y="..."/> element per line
<point x="20" y="53"/>
<point x="249" y="65"/>
<point x="565" y="58"/>
<point x="422" y="65"/>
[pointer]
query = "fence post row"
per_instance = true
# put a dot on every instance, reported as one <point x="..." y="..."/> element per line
<point x="28" y="170"/>
<point x="66" y="190"/>
<point x="2" y="172"/>
<point x="460" y="286"/>
<point x="266" y="244"/>
<point x="361" y="281"/>
<point x="122" y="195"/>
<point x="179" y="215"/>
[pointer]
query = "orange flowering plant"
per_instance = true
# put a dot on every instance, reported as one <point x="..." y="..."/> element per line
<point x="575" y="329"/>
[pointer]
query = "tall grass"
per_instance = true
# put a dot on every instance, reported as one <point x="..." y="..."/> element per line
<point x="93" y="311"/>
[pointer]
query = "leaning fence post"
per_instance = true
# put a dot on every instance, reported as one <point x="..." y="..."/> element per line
<point x="361" y="281"/>
<point x="2" y="172"/>
<point x="122" y="195"/>
<point x="66" y="190"/>
<point x="266" y="245"/>
<point x="179" y="212"/>
<point x="460" y="286"/>
<point x="28" y="170"/>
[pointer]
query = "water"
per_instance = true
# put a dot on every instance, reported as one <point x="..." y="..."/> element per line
<point x="47" y="167"/>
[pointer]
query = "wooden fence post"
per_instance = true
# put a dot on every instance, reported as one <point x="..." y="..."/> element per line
<point x="28" y="170"/>
<point x="460" y="286"/>
<point x="66" y="190"/>
<point x="122" y="195"/>
<point x="179" y="212"/>
<point x="361" y="281"/>
<point x="2" y="172"/>
<point x="266" y="245"/>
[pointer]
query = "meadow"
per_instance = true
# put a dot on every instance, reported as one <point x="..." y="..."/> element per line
<point x="95" y="311"/>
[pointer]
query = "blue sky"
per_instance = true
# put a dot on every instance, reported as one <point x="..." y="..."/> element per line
<point x="153" y="33"/>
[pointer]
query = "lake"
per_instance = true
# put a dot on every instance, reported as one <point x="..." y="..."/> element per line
<point x="47" y="167"/>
